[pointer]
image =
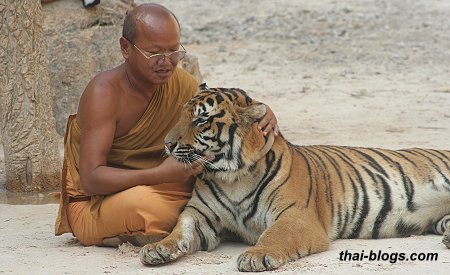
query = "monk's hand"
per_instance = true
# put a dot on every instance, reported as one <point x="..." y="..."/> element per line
<point x="175" y="171"/>
<point x="268" y="123"/>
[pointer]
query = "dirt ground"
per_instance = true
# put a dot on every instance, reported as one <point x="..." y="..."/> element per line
<point x="356" y="72"/>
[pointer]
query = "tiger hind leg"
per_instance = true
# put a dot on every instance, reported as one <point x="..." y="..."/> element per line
<point x="442" y="227"/>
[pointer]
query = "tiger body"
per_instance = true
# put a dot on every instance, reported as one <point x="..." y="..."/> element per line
<point x="380" y="204"/>
<point x="290" y="201"/>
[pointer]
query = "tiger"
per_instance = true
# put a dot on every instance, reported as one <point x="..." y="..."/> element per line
<point x="288" y="201"/>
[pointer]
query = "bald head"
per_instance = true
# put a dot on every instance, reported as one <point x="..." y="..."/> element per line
<point x="146" y="15"/>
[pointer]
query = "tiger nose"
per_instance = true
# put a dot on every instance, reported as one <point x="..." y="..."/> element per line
<point x="169" y="146"/>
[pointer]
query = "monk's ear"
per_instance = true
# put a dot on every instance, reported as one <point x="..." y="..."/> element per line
<point x="125" y="47"/>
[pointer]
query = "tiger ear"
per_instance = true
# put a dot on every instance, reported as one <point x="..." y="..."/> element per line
<point x="252" y="113"/>
<point x="201" y="87"/>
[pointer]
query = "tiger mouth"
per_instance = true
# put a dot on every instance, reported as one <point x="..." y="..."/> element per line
<point x="186" y="155"/>
<point x="189" y="155"/>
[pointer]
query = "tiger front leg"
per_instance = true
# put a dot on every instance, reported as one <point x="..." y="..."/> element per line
<point x="193" y="232"/>
<point x="286" y="240"/>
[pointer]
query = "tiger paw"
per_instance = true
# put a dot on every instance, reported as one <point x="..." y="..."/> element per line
<point x="446" y="238"/>
<point x="260" y="259"/>
<point x="162" y="252"/>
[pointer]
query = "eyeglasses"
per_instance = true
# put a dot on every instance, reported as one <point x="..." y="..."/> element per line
<point x="159" y="58"/>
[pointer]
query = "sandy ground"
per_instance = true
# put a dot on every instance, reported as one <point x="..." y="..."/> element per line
<point x="360" y="73"/>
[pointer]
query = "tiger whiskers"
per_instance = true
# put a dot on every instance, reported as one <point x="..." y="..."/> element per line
<point x="187" y="162"/>
<point x="203" y="162"/>
<point x="189" y="157"/>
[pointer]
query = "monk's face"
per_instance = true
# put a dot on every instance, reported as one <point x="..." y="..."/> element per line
<point x="155" y="36"/>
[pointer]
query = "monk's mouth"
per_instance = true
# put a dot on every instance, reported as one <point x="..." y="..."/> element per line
<point x="163" y="73"/>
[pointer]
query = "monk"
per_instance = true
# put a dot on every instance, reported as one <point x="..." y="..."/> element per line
<point x="117" y="185"/>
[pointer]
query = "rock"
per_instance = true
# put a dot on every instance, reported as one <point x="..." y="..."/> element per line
<point x="191" y="65"/>
<point x="80" y="43"/>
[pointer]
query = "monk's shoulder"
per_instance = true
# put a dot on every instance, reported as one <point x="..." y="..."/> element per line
<point x="104" y="86"/>
<point x="102" y="93"/>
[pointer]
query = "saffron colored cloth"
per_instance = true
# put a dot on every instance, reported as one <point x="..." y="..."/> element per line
<point x="149" y="210"/>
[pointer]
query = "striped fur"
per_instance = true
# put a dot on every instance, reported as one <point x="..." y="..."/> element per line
<point x="290" y="201"/>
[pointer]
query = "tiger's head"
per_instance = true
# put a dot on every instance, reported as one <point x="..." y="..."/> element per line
<point x="220" y="125"/>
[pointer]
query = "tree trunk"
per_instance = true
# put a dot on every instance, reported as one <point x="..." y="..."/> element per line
<point x="30" y="142"/>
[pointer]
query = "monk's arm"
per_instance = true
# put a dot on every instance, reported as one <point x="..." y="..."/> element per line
<point x="97" y="117"/>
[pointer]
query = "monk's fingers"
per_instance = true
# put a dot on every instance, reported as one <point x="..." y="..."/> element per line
<point x="271" y="125"/>
<point x="263" y="123"/>
<point x="268" y="122"/>
<point x="196" y="168"/>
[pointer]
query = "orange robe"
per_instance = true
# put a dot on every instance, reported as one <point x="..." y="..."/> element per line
<point x="149" y="210"/>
